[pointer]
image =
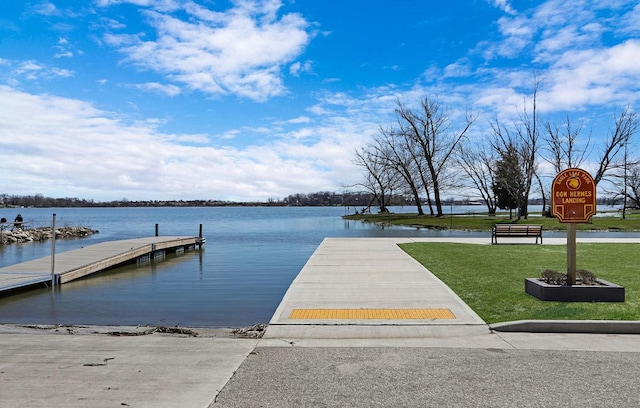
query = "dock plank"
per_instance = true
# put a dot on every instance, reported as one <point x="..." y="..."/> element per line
<point x="84" y="261"/>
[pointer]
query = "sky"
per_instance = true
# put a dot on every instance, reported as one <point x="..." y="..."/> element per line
<point x="251" y="100"/>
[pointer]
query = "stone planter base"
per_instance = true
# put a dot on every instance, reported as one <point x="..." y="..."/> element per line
<point x="602" y="292"/>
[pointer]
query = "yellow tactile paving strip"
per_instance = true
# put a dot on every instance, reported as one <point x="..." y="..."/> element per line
<point x="380" y="314"/>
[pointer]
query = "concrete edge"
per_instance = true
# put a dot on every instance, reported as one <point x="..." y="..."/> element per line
<point x="569" y="326"/>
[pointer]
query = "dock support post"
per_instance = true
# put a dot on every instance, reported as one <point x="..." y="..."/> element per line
<point x="157" y="230"/>
<point x="53" y="251"/>
<point x="200" y="240"/>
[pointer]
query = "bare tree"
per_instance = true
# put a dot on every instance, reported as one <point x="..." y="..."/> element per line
<point x="611" y="157"/>
<point x="632" y="192"/>
<point x="565" y="151"/>
<point x="379" y="179"/>
<point x="624" y="184"/>
<point x="478" y="163"/>
<point x="430" y="129"/>
<point x="562" y="144"/>
<point x="391" y="149"/>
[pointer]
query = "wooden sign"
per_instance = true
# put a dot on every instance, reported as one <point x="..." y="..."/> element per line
<point x="574" y="196"/>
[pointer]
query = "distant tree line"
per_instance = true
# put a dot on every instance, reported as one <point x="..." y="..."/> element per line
<point x="428" y="153"/>
<point x="323" y="198"/>
<point x="355" y="199"/>
<point x="40" y="201"/>
<point x="358" y="200"/>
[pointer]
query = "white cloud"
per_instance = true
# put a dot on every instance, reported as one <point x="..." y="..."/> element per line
<point x="31" y="71"/>
<point x="64" y="54"/>
<point x="517" y="32"/>
<point x="75" y="149"/>
<point x="504" y="5"/>
<point x="63" y="51"/>
<point x="163" y="5"/>
<point x="571" y="46"/>
<point x="460" y="68"/>
<point x="59" y="72"/>
<point x="230" y="135"/>
<point x="545" y="27"/>
<point x="300" y="119"/>
<point x="505" y="101"/>
<point x="598" y="76"/>
<point x="167" y="89"/>
<point x="46" y="9"/>
<point x="630" y="22"/>
<point x="241" y="50"/>
<point x="28" y="68"/>
<point x="298" y="68"/>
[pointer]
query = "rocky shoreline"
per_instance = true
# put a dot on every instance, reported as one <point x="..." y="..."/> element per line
<point x="42" y="234"/>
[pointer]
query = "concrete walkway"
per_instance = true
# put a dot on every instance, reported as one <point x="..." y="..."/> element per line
<point x="368" y="274"/>
<point x="356" y="361"/>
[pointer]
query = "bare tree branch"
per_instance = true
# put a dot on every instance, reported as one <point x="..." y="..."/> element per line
<point x="626" y="124"/>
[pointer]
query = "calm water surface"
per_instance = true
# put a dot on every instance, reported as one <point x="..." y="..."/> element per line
<point x="251" y="256"/>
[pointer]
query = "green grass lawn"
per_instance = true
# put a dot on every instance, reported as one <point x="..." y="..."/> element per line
<point x="484" y="222"/>
<point x="490" y="278"/>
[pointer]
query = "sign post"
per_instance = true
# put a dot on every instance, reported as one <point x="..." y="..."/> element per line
<point x="573" y="196"/>
<point x="53" y="251"/>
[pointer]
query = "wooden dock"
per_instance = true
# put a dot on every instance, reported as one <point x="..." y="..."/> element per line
<point x="85" y="261"/>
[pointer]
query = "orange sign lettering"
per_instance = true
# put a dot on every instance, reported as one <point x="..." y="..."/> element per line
<point x="573" y="196"/>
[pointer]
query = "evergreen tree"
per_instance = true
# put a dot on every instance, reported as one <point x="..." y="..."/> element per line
<point x="509" y="184"/>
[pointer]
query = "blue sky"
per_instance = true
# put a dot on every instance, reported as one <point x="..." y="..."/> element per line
<point x="258" y="99"/>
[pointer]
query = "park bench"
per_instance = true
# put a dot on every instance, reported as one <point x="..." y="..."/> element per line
<point x="516" y="231"/>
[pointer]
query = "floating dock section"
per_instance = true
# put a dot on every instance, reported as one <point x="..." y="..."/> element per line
<point x="78" y="263"/>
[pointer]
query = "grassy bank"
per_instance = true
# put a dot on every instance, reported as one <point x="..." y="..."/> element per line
<point x="490" y="279"/>
<point x="480" y="222"/>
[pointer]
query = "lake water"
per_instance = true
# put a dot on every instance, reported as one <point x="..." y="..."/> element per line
<point x="251" y="256"/>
